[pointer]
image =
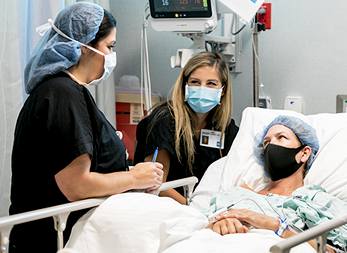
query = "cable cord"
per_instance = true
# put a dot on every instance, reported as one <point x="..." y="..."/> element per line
<point x="232" y="25"/>
<point x="283" y="216"/>
<point x="260" y="74"/>
<point x="246" y="199"/>
<point x="145" y="75"/>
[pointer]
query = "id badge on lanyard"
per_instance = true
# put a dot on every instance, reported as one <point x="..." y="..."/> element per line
<point x="211" y="138"/>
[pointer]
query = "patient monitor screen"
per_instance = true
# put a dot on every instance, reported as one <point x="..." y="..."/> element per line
<point x="161" y="9"/>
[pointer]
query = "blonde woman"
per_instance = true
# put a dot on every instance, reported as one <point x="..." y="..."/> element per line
<point x="200" y="109"/>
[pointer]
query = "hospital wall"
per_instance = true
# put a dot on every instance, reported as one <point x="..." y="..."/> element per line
<point x="303" y="54"/>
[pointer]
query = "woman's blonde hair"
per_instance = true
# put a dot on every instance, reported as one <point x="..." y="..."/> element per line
<point x="185" y="117"/>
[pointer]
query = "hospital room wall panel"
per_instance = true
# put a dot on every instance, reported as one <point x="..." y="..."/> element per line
<point x="303" y="54"/>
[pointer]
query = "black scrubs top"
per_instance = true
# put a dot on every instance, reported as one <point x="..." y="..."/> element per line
<point x="162" y="135"/>
<point x="58" y="122"/>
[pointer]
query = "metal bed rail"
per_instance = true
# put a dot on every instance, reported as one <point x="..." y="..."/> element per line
<point x="60" y="213"/>
<point x="318" y="233"/>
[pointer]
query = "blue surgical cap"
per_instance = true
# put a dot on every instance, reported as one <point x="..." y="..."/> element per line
<point x="305" y="133"/>
<point x="54" y="53"/>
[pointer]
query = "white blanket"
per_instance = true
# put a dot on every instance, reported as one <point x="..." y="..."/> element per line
<point x="139" y="222"/>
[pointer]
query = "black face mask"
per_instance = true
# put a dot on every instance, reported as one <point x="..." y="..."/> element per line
<point x="279" y="162"/>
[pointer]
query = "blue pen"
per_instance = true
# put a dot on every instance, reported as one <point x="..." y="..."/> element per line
<point x="155" y="155"/>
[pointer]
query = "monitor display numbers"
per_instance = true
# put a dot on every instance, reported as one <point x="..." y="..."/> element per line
<point x="186" y="1"/>
<point x="180" y="5"/>
<point x="180" y="8"/>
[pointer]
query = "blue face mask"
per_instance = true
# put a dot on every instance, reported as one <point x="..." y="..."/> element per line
<point x="202" y="99"/>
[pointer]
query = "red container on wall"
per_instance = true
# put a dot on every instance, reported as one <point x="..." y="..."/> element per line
<point x="128" y="114"/>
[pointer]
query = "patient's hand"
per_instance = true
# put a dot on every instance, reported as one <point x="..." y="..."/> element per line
<point x="228" y="226"/>
<point x="257" y="220"/>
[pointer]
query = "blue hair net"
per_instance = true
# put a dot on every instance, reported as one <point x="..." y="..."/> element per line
<point x="305" y="133"/>
<point x="54" y="53"/>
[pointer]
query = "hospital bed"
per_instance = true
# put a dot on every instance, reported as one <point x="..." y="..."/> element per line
<point x="329" y="169"/>
<point x="162" y="225"/>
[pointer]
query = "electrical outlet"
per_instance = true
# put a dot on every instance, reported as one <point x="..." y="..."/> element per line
<point x="341" y="103"/>
<point x="293" y="104"/>
<point x="265" y="18"/>
<point x="264" y="102"/>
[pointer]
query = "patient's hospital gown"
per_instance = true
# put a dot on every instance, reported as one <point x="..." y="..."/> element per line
<point x="299" y="208"/>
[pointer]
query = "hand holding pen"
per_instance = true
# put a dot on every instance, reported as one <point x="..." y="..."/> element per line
<point x="155" y="155"/>
<point x="154" y="189"/>
<point x="148" y="176"/>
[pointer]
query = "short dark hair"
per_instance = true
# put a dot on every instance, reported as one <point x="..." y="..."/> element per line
<point x="107" y="24"/>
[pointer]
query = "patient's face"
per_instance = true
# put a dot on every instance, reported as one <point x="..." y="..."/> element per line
<point x="281" y="136"/>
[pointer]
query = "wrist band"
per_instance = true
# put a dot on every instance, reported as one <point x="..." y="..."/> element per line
<point x="283" y="226"/>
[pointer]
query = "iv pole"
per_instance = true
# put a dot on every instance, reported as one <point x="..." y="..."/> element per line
<point x="256" y="29"/>
<point x="255" y="33"/>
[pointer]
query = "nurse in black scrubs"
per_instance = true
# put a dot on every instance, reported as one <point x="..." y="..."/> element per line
<point x="64" y="148"/>
<point x="195" y="128"/>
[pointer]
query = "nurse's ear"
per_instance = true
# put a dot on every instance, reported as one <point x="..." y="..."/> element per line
<point x="84" y="50"/>
<point x="84" y="56"/>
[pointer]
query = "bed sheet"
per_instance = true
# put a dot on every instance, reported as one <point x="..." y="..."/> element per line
<point x="139" y="222"/>
<point x="240" y="166"/>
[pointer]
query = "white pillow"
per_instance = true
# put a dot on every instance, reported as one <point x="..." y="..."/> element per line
<point x="129" y="222"/>
<point x="329" y="169"/>
<point x="209" y="185"/>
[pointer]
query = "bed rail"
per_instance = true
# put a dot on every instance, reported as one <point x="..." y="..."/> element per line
<point x="60" y="213"/>
<point x="318" y="233"/>
<point x="187" y="183"/>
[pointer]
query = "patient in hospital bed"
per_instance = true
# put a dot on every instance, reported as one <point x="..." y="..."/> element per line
<point x="135" y="222"/>
<point x="286" y="149"/>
